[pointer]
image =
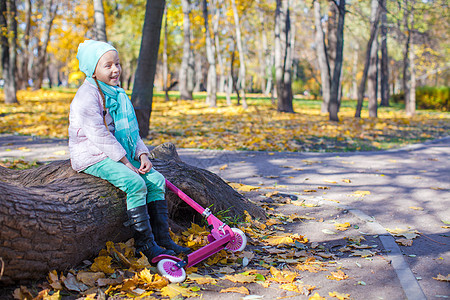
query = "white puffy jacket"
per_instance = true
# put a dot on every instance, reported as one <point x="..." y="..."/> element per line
<point x="89" y="140"/>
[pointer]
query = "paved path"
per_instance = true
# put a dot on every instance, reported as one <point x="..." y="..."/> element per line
<point x="406" y="188"/>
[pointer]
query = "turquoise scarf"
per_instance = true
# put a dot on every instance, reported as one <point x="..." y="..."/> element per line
<point x="119" y="105"/>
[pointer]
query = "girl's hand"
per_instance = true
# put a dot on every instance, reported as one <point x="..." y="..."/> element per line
<point x="127" y="163"/>
<point x="146" y="164"/>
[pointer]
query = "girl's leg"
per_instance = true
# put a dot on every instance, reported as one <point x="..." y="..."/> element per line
<point x="157" y="209"/>
<point x="123" y="178"/>
<point x="135" y="187"/>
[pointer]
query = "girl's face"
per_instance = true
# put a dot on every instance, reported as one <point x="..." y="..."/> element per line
<point x="108" y="68"/>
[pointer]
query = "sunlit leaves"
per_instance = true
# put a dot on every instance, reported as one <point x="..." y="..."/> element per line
<point x="192" y="124"/>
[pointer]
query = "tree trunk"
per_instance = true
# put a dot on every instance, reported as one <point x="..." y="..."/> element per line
<point x="283" y="60"/>
<point x="372" y="75"/>
<point x="242" y="70"/>
<point x="165" y="65"/>
<point x="384" y="70"/>
<point x="410" y="102"/>
<point x="142" y="95"/>
<point x="211" y="84"/>
<point x="334" y="103"/>
<point x="186" y="62"/>
<point x="362" y="85"/>
<point x="220" y="61"/>
<point x="322" y="57"/>
<point x="53" y="218"/>
<point x="262" y="55"/>
<point x="99" y="21"/>
<point x="23" y="69"/>
<point x="9" y="49"/>
<point x="354" y="93"/>
<point x="50" y="9"/>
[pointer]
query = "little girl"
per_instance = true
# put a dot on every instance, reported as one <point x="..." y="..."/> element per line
<point x="104" y="142"/>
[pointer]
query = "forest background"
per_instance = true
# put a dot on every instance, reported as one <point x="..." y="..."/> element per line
<point x="279" y="56"/>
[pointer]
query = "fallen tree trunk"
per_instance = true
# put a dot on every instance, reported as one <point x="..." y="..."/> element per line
<point x="53" y="218"/>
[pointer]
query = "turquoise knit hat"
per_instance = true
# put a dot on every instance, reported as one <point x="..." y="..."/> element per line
<point x="89" y="53"/>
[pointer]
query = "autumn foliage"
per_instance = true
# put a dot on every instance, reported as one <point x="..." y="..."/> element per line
<point x="193" y="124"/>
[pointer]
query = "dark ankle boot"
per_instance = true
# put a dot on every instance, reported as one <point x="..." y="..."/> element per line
<point x="159" y="218"/>
<point x="144" y="239"/>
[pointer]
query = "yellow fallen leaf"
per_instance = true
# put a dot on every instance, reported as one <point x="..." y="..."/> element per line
<point x="339" y="275"/>
<point x="442" y="278"/>
<point x="240" y="290"/>
<point x="416" y="207"/>
<point x="409" y="234"/>
<point x="346" y="180"/>
<point x="316" y="296"/>
<point x="279" y="240"/>
<point x="241" y="278"/>
<point x="292" y="287"/>
<point x="223" y="167"/>
<point x="173" y="290"/>
<point x="342" y="226"/>
<point x="102" y="264"/>
<point x="355" y="239"/>
<point x="243" y="187"/>
<point x="309" y="191"/>
<point x="360" y="193"/>
<point x="282" y="276"/>
<point x="404" y="242"/>
<point x="272" y="221"/>
<point x="329" y="181"/>
<point x="199" y="279"/>
<point x="22" y="293"/>
<point x="340" y="296"/>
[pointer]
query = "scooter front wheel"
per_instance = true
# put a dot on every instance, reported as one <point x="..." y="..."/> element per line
<point x="239" y="241"/>
<point x="168" y="269"/>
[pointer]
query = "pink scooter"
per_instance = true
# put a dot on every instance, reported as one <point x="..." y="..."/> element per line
<point x="221" y="237"/>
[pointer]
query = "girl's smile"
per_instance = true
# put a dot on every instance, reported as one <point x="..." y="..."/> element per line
<point x="108" y="68"/>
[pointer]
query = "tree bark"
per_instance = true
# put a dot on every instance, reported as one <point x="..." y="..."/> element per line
<point x="187" y="60"/>
<point x="53" y="218"/>
<point x="142" y="95"/>
<point x="242" y="69"/>
<point x="99" y="21"/>
<point x="333" y="106"/>
<point x="372" y="75"/>
<point x="165" y="64"/>
<point x="211" y="84"/>
<point x="362" y="85"/>
<point x="283" y="59"/>
<point x="218" y="48"/>
<point x="410" y="102"/>
<point x="50" y="9"/>
<point x="23" y="69"/>
<point x="9" y="44"/>
<point x="262" y="55"/>
<point x="354" y="93"/>
<point x="322" y="57"/>
<point x="384" y="70"/>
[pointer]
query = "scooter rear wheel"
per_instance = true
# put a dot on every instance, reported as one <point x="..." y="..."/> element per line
<point x="239" y="242"/>
<point x="168" y="269"/>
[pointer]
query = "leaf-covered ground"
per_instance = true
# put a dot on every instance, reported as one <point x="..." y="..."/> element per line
<point x="192" y="124"/>
<point x="273" y="259"/>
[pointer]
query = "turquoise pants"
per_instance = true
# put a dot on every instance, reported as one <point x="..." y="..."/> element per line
<point x="140" y="188"/>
